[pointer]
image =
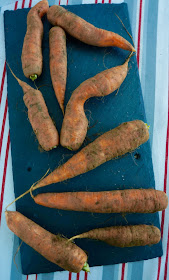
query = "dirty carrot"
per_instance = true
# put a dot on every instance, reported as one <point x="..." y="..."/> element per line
<point x="123" y="139"/>
<point x="124" y="236"/>
<point x="58" y="62"/>
<point x="84" y="31"/>
<point x="117" y="201"/>
<point x="75" y="123"/>
<point x="39" y="117"/>
<point x="32" y="60"/>
<point x="54" y="248"/>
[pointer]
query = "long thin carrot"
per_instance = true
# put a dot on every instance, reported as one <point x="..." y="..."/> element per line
<point x="58" y="62"/>
<point x="118" y="201"/>
<point x="114" y="143"/>
<point x="53" y="247"/>
<point x="84" y="31"/>
<point x="124" y="236"/>
<point x="39" y="117"/>
<point x="32" y="60"/>
<point x="75" y="123"/>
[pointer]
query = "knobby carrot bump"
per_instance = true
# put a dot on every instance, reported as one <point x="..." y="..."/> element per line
<point x="32" y="46"/>
<point x="75" y="123"/>
<point x="39" y="117"/>
<point x="124" y="236"/>
<point x="54" y="248"/>
<point x="117" y="201"/>
<point x="112" y="144"/>
<point x="84" y="31"/>
<point x="58" y="62"/>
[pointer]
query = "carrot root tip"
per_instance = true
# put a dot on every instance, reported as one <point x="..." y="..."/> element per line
<point x="33" y="77"/>
<point x="74" y="237"/>
<point x="86" y="267"/>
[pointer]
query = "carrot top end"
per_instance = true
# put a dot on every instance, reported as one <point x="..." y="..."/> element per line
<point x="33" y="77"/>
<point x="86" y="267"/>
<point x="148" y="126"/>
<point x="69" y="148"/>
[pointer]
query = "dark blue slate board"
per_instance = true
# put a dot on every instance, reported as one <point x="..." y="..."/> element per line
<point x="30" y="164"/>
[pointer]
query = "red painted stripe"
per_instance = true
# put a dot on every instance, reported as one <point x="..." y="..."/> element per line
<point x="36" y="277"/>
<point x="4" y="175"/>
<point x="139" y="34"/>
<point x="27" y="277"/>
<point x="70" y="275"/>
<point x="96" y="1"/>
<point x="77" y="276"/>
<point x="109" y="1"/>
<point x="166" y="260"/>
<point x="59" y="2"/>
<point x="102" y="1"/>
<point x="30" y="3"/>
<point x="166" y="147"/>
<point x="16" y="6"/>
<point x="123" y="271"/>
<point x="2" y="82"/>
<point x="23" y="3"/>
<point x="3" y="125"/>
<point x="165" y="185"/>
<point x="67" y="2"/>
<point x="162" y="222"/>
<point x="159" y="266"/>
<point x="85" y="276"/>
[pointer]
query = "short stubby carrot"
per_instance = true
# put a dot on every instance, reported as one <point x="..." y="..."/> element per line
<point x="58" y="62"/>
<point x="54" y="248"/>
<point x="124" y="236"/>
<point x="84" y="31"/>
<point x="121" y="140"/>
<point x="117" y="201"/>
<point x="32" y="59"/>
<point x="39" y="117"/>
<point x="75" y="123"/>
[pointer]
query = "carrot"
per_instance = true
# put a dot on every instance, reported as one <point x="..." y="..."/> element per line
<point x="32" y="45"/>
<point x="112" y="144"/>
<point x="75" y="123"/>
<point x="58" y="62"/>
<point x="124" y="236"/>
<point x="84" y="31"/>
<point x="54" y="248"/>
<point x="118" y="201"/>
<point x="38" y="115"/>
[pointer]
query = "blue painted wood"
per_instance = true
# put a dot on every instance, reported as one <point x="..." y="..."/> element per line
<point x="30" y="164"/>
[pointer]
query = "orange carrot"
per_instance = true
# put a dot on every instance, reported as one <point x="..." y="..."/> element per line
<point x="112" y="144"/>
<point x="38" y="115"/>
<point x="32" y="46"/>
<point x="75" y="123"/>
<point x="54" y="248"/>
<point x="118" y="201"/>
<point x="124" y="236"/>
<point x="84" y="31"/>
<point x="58" y="62"/>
